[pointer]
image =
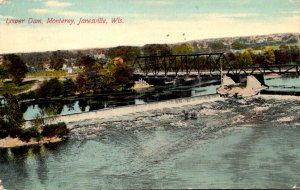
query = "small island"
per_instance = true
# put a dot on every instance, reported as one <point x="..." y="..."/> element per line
<point x="14" y="134"/>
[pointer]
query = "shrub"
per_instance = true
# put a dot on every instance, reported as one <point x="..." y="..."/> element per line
<point x="69" y="87"/>
<point x="59" y="130"/>
<point x="3" y="134"/>
<point x="51" y="88"/>
<point x="30" y="133"/>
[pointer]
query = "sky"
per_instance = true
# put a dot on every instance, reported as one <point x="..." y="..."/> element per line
<point x="143" y="22"/>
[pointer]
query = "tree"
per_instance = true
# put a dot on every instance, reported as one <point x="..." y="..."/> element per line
<point x="123" y="76"/>
<point x="127" y="53"/>
<point x="245" y="58"/>
<point x="92" y="81"/>
<point x="284" y="47"/>
<point x="57" y="61"/>
<point x="81" y="83"/>
<point x="269" y="56"/>
<point x="156" y="49"/>
<point x="231" y="57"/>
<point x="295" y="54"/>
<point x="282" y="56"/>
<point x="88" y="62"/>
<point x="237" y="45"/>
<point x="259" y="60"/>
<point x="51" y="88"/>
<point x="216" y="46"/>
<point x="11" y="117"/>
<point x="69" y="87"/>
<point x="3" y="73"/>
<point x="106" y="82"/>
<point x="16" y="68"/>
<point x="87" y="79"/>
<point x="182" y="49"/>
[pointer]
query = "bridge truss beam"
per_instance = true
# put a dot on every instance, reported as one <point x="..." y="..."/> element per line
<point x="200" y="63"/>
<point x="185" y="63"/>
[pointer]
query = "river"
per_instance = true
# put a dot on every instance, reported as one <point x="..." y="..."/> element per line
<point x="157" y="93"/>
<point x="231" y="143"/>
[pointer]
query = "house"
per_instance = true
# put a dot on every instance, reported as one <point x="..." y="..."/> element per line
<point x="261" y="40"/>
<point x="64" y="67"/>
<point x="68" y="67"/>
<point x="46" y="66"/>
<point x="99" y="56"/>
<point x="118" y="60"/>
<point x="69" y="70"/>
<point x="204" y="45"/>
<point x="277" y="38"/>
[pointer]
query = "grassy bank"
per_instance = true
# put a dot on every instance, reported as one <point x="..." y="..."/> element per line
<point x="10" y="87"/>
<point x="48" y="74"/>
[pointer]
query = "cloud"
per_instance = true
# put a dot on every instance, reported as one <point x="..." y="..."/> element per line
<point x="54" y="3"/>
<point x="239" y="15"/>
<point x="159" y="2"/>
<point x="295" y="12"/>
<point x="73" y="13"/>
<point x="3" y="2"/>
<point x="154" y="2"/>
<point x="294" y="1"/>
<point x="59" y="12"/>
<point x="41" y="11"/>
<point x="4" y="16"/>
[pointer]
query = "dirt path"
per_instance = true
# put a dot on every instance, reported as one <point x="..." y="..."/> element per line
<point x="38" y="81"/>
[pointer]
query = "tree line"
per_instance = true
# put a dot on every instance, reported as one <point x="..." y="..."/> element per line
<point x="94" y="78"/>
<point x="13" y="67"/>
<point x="102" y="75"/>
<point x="267" y="56"/>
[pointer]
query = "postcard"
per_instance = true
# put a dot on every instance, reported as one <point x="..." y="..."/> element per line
<point x="149" y="94"/>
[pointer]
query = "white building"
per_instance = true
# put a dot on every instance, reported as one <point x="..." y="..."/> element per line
<point x="99" y="56"/>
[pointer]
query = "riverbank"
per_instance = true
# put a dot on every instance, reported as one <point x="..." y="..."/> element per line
<point x="9" y="142"/>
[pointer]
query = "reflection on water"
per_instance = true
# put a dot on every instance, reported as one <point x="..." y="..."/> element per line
<point x="166" y="92"/>
<point x="260" y="157"/>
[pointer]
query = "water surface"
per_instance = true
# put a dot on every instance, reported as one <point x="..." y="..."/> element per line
<point x="247" y="143"/>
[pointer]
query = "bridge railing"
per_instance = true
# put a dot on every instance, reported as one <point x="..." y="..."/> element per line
<point x="200" y="63"/>
<point x="180" y="63"/>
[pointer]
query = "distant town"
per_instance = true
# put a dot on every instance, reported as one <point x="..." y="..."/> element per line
<point x="41" y="61"/>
